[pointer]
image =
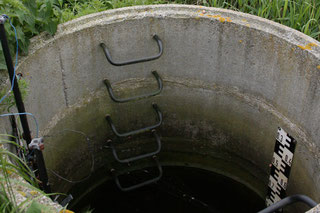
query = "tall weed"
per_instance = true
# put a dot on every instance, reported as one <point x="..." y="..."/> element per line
<point x="30" y="17"/>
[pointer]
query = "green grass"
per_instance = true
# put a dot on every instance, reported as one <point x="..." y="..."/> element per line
<point x="302" y="15"/>
<point x="10" y="170"/>
<point x="7" y="168"/>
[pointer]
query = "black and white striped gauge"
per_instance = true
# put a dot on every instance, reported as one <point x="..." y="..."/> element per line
<point x="280" y="167"/>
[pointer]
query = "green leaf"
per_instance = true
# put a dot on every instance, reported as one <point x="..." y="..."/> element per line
<point x="31" y="5"/>
<point x="30" y="20"/>
<point x="20" y="15"/>
<point x="36" y="207"/>
<point x="51" y="27"/>
<point x="49" y="11"/>
<point x="3" y="65"/>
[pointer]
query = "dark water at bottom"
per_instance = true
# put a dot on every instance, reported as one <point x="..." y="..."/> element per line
<point x="180" y="190"/>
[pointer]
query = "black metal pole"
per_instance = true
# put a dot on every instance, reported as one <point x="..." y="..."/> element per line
<point x="43" y="176"/>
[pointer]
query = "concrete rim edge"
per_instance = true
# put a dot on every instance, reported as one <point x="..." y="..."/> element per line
<point x="176" y="11"/>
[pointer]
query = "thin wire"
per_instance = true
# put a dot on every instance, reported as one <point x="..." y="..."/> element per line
<point x="90" y="147"/>
<point x="16" y="63"/>
<point x="70" y="181"/>
<point x="25" y="113"/>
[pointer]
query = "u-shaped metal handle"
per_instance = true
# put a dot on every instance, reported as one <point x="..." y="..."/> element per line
<point x="127" y="160"/>
<point x="107" y="53"/>
<point x="123" y="100"/>
<point x="134" y="132"/>
<point x="139" y="184"/>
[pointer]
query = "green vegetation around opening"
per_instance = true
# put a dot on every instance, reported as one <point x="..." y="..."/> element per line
<point x="302" y="15"/>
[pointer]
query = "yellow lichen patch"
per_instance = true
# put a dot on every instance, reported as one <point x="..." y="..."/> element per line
<point x="308" y="46"/>
<point x="240" y="41"/>
<point x="228" y="19"/>
<point x="244" y="20"/>
<point x="197" y="18"/>
<point x="33" y="193"/>
<point x="305" y="47"/>
<point x="9" y="171"/>
<point x="312" y="45"/>
<point x="216" y="16"/>
<point x="201" y="14"/>
<point x="66" y="211"/>
<point x="318" y="67"/>
<point x="199" y="11"/>
<point x="222" y="19"/>
<point x="201" y="6"/>
<point x="248" y="25"/>
<point x="22" y="193"/>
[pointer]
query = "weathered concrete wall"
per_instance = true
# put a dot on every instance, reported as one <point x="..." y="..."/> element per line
<point x="230" y="80"/>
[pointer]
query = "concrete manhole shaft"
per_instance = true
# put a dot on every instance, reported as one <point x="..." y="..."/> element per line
<point x="229" y="80"/>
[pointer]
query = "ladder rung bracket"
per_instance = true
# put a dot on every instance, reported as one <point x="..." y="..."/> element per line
<point x="123" y="100"/>
<point x="138" y="157"/>
<point x="134" y="132"/>
<point x="135" y="61"/>
<point x="116" y="178"/>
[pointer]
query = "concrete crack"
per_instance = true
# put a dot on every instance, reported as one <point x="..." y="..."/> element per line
<point x="63" y="78"/>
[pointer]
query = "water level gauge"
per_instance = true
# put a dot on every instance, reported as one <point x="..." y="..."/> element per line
<point x="280" y="167"/>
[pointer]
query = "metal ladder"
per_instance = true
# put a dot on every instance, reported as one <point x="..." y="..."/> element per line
<point x="138" y="131"/>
